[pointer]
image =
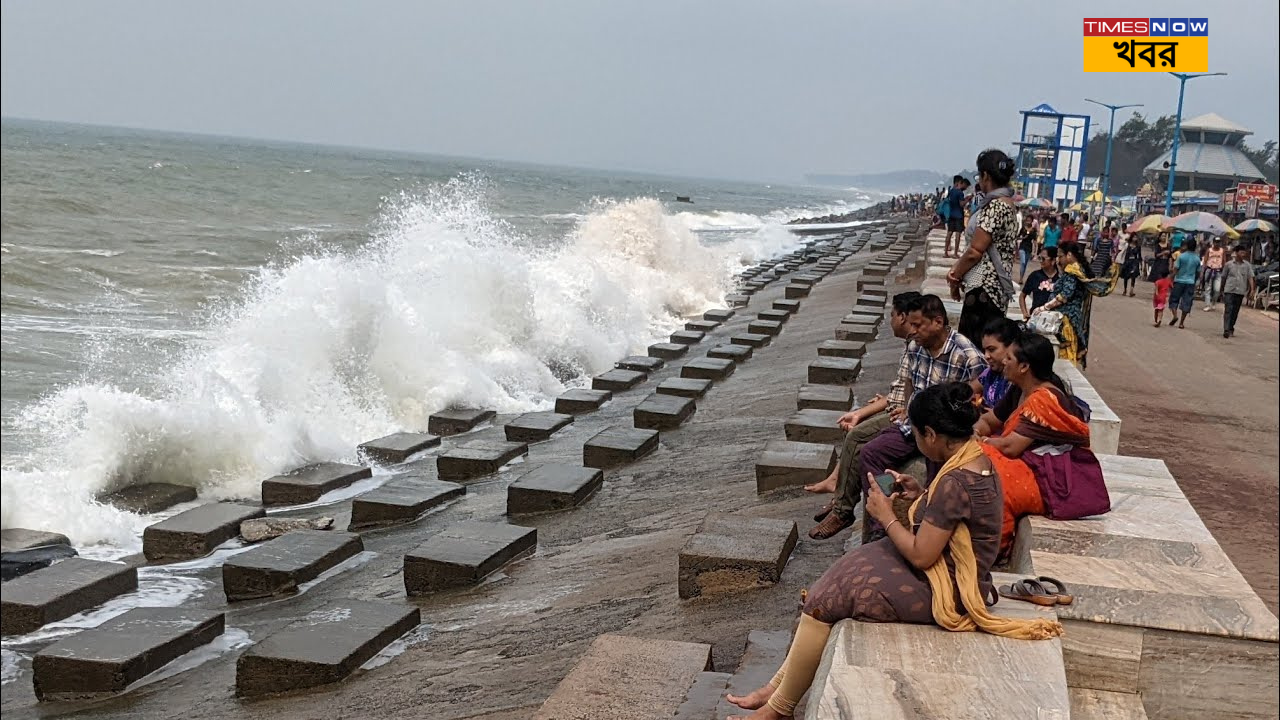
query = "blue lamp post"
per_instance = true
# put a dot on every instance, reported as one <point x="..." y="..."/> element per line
<point x="1111" y="131"/>
<point x="1177" y="134"/>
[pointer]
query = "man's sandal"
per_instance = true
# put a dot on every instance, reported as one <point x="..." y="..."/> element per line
<point x="829" y="527"/>
<point x="1029" y="591"/>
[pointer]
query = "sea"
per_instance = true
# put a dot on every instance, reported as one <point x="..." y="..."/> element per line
<point x="211" y="311"/>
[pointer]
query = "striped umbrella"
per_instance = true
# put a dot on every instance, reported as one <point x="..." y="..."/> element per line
<point x="1256" y="225"/>
<point x="1035" y="202"/>
<point x="1148" y="224"/>
<point x="1199" y="221"/>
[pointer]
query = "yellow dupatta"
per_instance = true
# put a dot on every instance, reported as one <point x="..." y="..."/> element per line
<point x="961" y="547"/>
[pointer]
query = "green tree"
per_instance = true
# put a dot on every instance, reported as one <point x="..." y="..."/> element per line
<point x="1265" y="158"/>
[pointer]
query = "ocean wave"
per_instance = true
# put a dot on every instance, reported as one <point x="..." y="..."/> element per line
<point x="446" y="306"/>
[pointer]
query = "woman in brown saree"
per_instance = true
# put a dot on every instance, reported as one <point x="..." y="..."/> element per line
<point x="935" y="570"/>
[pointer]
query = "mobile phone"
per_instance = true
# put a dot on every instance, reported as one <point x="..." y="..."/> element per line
<point x="886" y="483"/>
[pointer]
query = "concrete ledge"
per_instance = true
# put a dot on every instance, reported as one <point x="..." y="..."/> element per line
<point x="478" y="458"/>
<point x="687" y="337"/>
<point x="324" y="647"/>
<point x="701" y="325"/>
<point x="708" y="369"/>
<point x="618" y="446"/>
<point x="618" y="380"/>
<point x="627" y="678"/>
<point x="582" y="400"/>
<point x="825" y="397"/>
<point x="776" y="315"/>
<point x="279" y="566"/>
<point x="856" y="333"/>
<point x="663" y="412"/>
<point x="59" y="591"/>
<point x="789" y="306"/>
<point x="736" y="300"/>
<point x="536" y="426"/>
<point x="718" y="314"/>
<point x="640" y="363"/>
<point x="788" y="464"/>
<point x="552" y="488"/>
<point x="397" y="447"/>
<point x="668" y="351"/>
<point x="196" y="532"/>
<point x="732" y="553"/>
<point x="765" y="327"/>
<point x="834" y="371"/>
<point x="464" y="554"/>
<point x="819" y="426"/>
<point x="730" y="351"/>
<point x="457" y="421"/>
<point x="401" y="501"/>
<point x="842" y="348"/>
<point x="1104" y="424"/>
<point x="310" y="483"/>
<point x="755" y="340"/>
<point x="795" y="291"/>
<point x="106" y="659"/>
<point x="683" y="387"/>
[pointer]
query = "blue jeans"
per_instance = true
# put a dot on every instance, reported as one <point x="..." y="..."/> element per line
<point x="1023" y="258"/>
<point x="1183" y="297"/>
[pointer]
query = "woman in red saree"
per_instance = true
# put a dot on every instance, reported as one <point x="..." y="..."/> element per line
<point x="1041" y="453"/>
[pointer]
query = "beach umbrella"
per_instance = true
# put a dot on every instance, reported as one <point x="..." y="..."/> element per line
<point x="1035" y="202"/>
<point x="1148" y="224"/>
<point x="1096" y="197"/>
<point x="1111" y="211"/>
<point x="1199" y="221"/>
<point x="1256" y="225"/>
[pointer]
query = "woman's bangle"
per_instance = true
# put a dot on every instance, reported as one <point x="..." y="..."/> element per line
<point x="886" y="527"/>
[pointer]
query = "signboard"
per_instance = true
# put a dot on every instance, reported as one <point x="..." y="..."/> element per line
<point x="1264" y="192"/>
<point x="1146" y="44"/>
<point x="1227" y="202"/>
<point x="1251" y="208"/>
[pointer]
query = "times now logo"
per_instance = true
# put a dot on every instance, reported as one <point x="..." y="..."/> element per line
<point x="1150" y="27"/>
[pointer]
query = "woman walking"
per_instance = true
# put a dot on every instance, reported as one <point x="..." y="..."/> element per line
<point x="1131" y="264"/>
<point x="1075" y="289"/>
<point x="982" y="272"/>
<point x="1103" y="248"/>
<point x="1160" y="262"/>
<point x="933" y="568"/>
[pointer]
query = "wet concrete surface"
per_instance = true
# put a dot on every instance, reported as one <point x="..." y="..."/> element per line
<point x="498" y="649"/>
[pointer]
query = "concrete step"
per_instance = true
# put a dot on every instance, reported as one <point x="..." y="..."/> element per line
<point x="642" y="363"/>
<point x="552" y="488"/>
<point x="788" y="464"/>
<point x="618" y="446"/>
<point x="279" y="566"/>
<point x="582" y="400"/>
<point x="708" y="369"/>
<point x="755" y="340"/>
<point x="628" y="678"/>
<point x="702" y="699"/>
<point x="856" y="333"/>
<point x="816" y="426"/>
<point x="105" y="660"/>
<point x="824" y="397"/>
<point x="149" y="498"/>
<point x="397" y="447"/>
<point x="324" y="647"/>
<point x="668" y="351"/>
<point x="663" y="412"/>
<point x="765" y="652"/>
<point x="733" y="553"/>
<point x="730" y="351"/>
<point x="684" y="387"/>
<point x="701" y="325"/>
<point x="1105" y="705"/>
<point x="842" y="348"/>
<point x="478" y="458"/>
<point x="795" y="292"/>
<point x="618" y="380"/>
<point x="536" y="426"/>
<point x="776" y="315"/>
<point x="687" y="337"/>
<point x="765" y="327"/>
<point x="718" y="314"/>
<point x="196" y="532"/>
<point x="401" y="501"/>
<point x="456" y="421"/>
<point x="834" y="371"/>
<point x="464" y="554"/>
<point x="59" y="591"/>
<point x="789" y="306"/>
<point x="310" y="483"/>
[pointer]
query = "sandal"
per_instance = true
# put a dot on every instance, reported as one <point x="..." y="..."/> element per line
<point x="825" y="511"/>
<point x="1057" y="589"/>
<point x="1028" y="591"/>
<point x="829" y="527"/>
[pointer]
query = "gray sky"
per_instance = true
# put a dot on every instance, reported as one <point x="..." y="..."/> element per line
<point x="712" y="88"/>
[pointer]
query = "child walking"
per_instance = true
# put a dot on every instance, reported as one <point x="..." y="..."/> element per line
<point x="1164" y="286"/>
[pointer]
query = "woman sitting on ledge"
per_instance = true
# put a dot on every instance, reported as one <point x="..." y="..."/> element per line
<point x="935" y="570"/>
<point x="1041" y="448"/>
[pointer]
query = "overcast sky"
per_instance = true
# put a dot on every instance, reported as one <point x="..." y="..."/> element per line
<point x="735" y="88"/>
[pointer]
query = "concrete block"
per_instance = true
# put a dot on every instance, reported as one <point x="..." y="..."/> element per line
<point x="397" y="447"/>
<point x="618" y="446"/>
<point x="196" y="532"/>
<point x="278" y="567"/>
<point x="15" y="539"/>
<point x="842" y="348"/>
<point x="310" y="483"/>
<point x="755" y="340"/>
<point x="765" y="327"/>
<point x="401" y="501"/>
<point x="464" y="554"/>
<point x="536" y="426"/>
<point x="708" y="369"/>
<point x="105" y="660"/>
<point x="736" y="300"/>
<point x="618" y="380"/>
<point x="701" y="325"/>
<point x="834" y="371"/>
<point x="59" y="591"/>
<point x="805" y="279"/>
<point x="683" y="387"/>
<point x="582" y="400"/>
<point x="869" y="282"/>
<point x="731" y="553"/>
<point x="818" y="426"/>
<point x="825" y="397"/>
<point x="871" y="301"/>
<point x="640" y="363"/>
<point x="795" y="292"/>
<point x="856" y="333"/>
<point x="149" y="498"/>
<point x="863" y="317"/>
<point x="788" y="464"/>
<point x="776" y="315"/>
<point x="736" y="353"/>
<point x="668" y="351"/>
<point x="788" y="306"/>
<point x="324" y="647"/>
<point x="663" y="412"/>
<point x="478" y="458"/>
<point x="718" y="314"/>
<point x="457" y="421"/>
<point x="687" y="337"/>
<point x="550" y="488"/>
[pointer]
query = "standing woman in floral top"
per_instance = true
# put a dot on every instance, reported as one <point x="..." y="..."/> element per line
<point x="982" y="273"/>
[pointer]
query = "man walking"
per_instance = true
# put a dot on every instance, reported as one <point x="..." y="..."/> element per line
<point x="1186" y="271"/>
<point x="955" y="213"/>
<point x="1237" y="286"/>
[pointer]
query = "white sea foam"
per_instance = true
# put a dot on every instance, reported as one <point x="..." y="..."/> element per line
<point x="446" y="305"/>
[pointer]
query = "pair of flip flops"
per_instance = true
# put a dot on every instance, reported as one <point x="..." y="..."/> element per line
<point x="1043" y="590"/>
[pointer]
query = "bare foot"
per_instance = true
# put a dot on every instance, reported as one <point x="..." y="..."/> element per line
<point x="754" y="700"/>
<point x="827" y="485"/>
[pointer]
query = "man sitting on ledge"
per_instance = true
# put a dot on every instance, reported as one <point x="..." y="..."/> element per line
<point x="860" y="426"/>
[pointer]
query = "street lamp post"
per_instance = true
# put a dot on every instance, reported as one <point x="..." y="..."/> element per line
<point x="1111" y="131"/>
<point x="1177" y="134"/>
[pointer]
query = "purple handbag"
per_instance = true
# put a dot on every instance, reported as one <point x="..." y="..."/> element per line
<point x="1070" y="481"/>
